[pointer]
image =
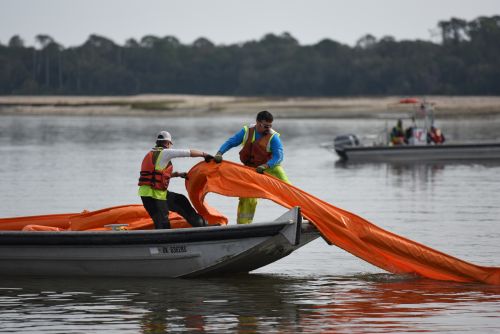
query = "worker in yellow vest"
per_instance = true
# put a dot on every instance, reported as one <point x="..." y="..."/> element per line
<point x="156" y="172"/>
<point x="262" y="149"/>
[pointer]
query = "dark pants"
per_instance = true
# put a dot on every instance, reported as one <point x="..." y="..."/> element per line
<point x="158" y="210"/>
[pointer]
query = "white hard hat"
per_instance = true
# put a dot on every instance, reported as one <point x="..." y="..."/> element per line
<point x="164" y="135"/>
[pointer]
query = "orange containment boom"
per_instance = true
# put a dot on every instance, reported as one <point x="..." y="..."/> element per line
<point x="133" y="216"/>
<point x="346" y="230"/>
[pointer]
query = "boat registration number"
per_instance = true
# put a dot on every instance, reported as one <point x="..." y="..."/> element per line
<point x="174" y="249"/>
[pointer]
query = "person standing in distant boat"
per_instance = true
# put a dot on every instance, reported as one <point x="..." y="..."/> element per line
<point x="409" y="137"/>
<point x="397" y="134"/>
<point x="156" y="172"/>
<point x="262" y="149"/>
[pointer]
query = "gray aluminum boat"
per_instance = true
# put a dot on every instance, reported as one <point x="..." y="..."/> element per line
<point x="189" y="252"/>
<point x="409" y="153"/>
<point x="418" y="146"/>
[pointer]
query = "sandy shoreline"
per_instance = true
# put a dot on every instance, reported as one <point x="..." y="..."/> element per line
<point x="196" y="105"/>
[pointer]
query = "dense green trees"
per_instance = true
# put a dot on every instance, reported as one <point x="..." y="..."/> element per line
<point x="466" y="62"/>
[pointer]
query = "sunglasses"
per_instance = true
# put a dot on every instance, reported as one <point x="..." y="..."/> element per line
<point x="265" y="126"/>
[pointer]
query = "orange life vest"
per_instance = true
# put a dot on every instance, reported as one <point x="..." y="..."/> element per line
<point x="156" y="179"/>
<point x="254" y="153"/>
<point x="436" y="137"/>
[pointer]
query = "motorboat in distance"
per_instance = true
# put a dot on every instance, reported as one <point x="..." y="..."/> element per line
<point x="183" y="252"/>
<point x="417" y="144"/>
<point x="414" y="153"/>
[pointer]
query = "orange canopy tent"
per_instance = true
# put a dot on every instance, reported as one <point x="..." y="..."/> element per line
<point x="409" y="100"/>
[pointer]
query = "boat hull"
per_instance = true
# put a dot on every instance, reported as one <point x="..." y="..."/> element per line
<point x="156" y="253"/>
<point x="447" y="152"/>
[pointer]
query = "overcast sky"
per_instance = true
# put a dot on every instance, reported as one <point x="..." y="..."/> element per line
<point x="70" y="22"/>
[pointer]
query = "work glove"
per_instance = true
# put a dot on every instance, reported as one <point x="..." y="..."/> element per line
<point x="261" y="169"/>
<point x="208" y="157"/>
<point x="218" y="158"/>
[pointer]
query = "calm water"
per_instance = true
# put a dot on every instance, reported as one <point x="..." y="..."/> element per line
<point x="68" y="164"/>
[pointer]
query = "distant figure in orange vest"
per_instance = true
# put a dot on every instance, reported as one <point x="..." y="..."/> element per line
<point x="435" y="136"/>
<point x="262" y="149"/>
<point x="156" y="172"/>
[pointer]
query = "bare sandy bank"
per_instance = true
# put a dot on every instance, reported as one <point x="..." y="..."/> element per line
<point x="197" y="105"/>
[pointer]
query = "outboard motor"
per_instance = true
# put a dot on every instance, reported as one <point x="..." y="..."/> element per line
<point x="343" y="141"/>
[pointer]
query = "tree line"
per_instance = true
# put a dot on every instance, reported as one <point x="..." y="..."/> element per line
<point x="465" y="62"/>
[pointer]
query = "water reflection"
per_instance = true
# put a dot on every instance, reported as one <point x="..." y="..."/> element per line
<point x="247" y="303"/>
<point x="401" y="165"/>
<point x="412" y="176"/>
<point x="392" y="305"/>
<point x="421" y="171"/>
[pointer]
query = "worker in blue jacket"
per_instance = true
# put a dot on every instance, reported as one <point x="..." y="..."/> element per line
<point x="261" y="149"/>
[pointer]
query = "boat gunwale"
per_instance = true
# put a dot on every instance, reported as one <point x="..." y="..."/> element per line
<point x="128" y="237"/>
<point x="420" y="147"/>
